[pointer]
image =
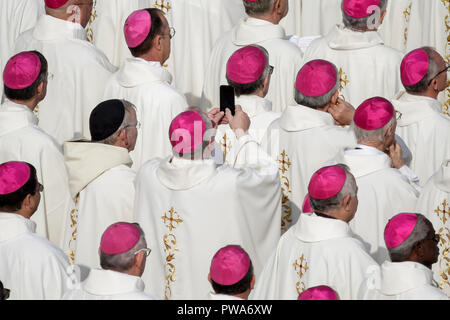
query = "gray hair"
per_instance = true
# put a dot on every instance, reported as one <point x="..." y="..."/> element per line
<point x="250" y="88"/>
<point x="422" y="85"/>
<point x="258" y="7"/>
<point x="334" y="203"/>
<point x="123" y="261"/>
<point x="129" y="107"/>
<point x="371" y="135"/>
<point x="320" y="101"/>
<point x="419" y="233"/>
<point x="360" y="24"/>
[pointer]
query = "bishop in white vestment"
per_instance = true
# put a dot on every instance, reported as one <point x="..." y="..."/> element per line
<point x="79" y="71"/>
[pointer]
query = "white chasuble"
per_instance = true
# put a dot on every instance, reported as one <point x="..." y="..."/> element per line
<point x="198" y="25"/>
<point x="30" y="266"/>
<point x="400" y="281"/>
<point x="22" y="140"/>
<point x="147" y="85"/>
<point x="434" y="203"/>
<point x="395" y="27"/>
<point x="315" y="251"/>
<point x="426" y="132"/>
<point x="102" y="184"/>
<point x="301" y="141"/>
<point x="190" y="209"/>
<point x="367" y="67"/>
<point x="284" y="56"/>
<point x="383" y="192"/>
<point x="105" y="28"/>
<point x="79" y="71"/>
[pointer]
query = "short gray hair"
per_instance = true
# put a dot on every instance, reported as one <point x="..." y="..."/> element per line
<point x="371" y="135"/>
<point x="129" y="107"/>
<point x="419" y="233"/>
<point x="423" y="84"/>
<point x="334" y="203"/>
<point x="360" y="24"/>
<point x="258" y="7"/>
<point x="123" y="261"/>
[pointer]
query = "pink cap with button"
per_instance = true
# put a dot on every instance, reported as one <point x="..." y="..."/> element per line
<point x="119" y="237"/>
<point x="22" y="70"/>
<point x="13" y="176"/>
<point x="414" y="67"/>
<point x="327" y="182"/>
<point x="186" y="132"/>
<point x="306" y="208"/>
<point x="137" y="27"/>
<point x="229" y="265"/>
<point x="319" y="293"/>
<point x="374" y="113"/>
<point x="316" y="78"/>
<point x="399" y="228"/>
<point x="246" y="65"/>
<point x="54" y="4"/>
<point x="360" y="8"/>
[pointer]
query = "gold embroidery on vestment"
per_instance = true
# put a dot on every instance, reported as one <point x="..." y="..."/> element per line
<point x="89" y="30"/>
<point x="36" y="111"/>
<point x="444" y="244"/>
<point x="343" y="81"/>
<point x="74" y="226"/>
<point x="301" y="267"/>
<point x="162" y="5"/>
<point x="446" y="4"/>
<point x="407" y="14"/>
<point x="285" y="164"/>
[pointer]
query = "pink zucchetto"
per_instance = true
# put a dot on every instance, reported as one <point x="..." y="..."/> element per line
<point x="306" y="207"/>
<point x="316" y="78"/>
<point x="137" y="27"/>
<point x="327" y="182"/>
<point x="119" y="238"/>
<point x="229" y="265"/>
<point x="398" y="229"/>
<point x="22" y="70"/>
<point x="414" y="67"/>
<point x="373" y="114"/>
<point x="55" y="4"/>
<point x="360" y="8"/>
<point x="186" y="132"/>
<point x="246" y="65"/>
<point x="319" y="293"/>
<point x="13" y="176"/>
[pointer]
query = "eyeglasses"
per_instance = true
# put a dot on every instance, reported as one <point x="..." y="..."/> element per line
<point x="147" y="251"/>
<point x="50" y="76"/>
<point x="271" y="69"/>
<point x="40" y="187"/>
<point x="444" y="70"/>
<point x="137" y="125"/>
<point x="435" y="238"/>
<point x="398" y="115"/>
<point x="171" y="33"/>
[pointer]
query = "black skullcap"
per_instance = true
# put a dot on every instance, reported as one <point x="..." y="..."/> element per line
<point x="106" y="118"/>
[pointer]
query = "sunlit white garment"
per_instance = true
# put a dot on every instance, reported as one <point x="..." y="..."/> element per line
<point x="102" y="184"/>
<point x="383" y="192"/>
<point x="109" y="285"/>
<point x="16" y="16"/>
<point x="301" y="141"/>
<point x="315" y="251"/>
<point x="400" y="281"/>
<point x="30" y="266"/>
<point x="395" y="27"/>
<point x="434" y="203"/>
<point x="22" y="140"/>
<point x="79" y="70"/>
<point x="425" y="130"/>
<point x="366" y="66"/>
<point x="285" y="56"/>
<point x="190" y="209"/>
<point x="146" y="84"/>
<point x="218" y="296"/>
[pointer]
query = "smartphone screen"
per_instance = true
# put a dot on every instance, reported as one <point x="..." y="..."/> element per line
<point x="227" y="98"/>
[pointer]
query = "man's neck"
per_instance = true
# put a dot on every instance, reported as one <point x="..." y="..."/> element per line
<point x="374" y="144"/>
<point x="31" y="104"/>
<point x="429" y="93"/>
<point x="267" y="17"/>
<point x="151" y="56"/>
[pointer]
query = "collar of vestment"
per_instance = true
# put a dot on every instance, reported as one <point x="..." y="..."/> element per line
<point x="85" y="161"/>
<point x="299" y="118"/>
<point x="311" y="228"/>
<point x="364" y="160"/>
<point x="341" y="38"/>
<point x="415" y="108"/>
<point x="442" y="177"/>
<point x="13" y="225"/>
<point x="107" y="282"/>
<point x="15" y="116"/>
<point x="218" y="296"/>
<point x="51" y="28"/>
<point x="137" y="71"/>
<point x="182" y="174"/>
<point x="254" y="105"/>
<point x="253" y="31"/>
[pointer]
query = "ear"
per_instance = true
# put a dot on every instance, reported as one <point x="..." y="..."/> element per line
<point x="252" y="282"/>
<point x="266" y="82"/>
<point x="277" y="6"/>
<point x="26" y="203"/>
<point x="382" y="16"/>
<point x="40" y="88"/>
<point x="346" y="202"/>
<point x="123" y="137"/>
<point x="209" y="278"/>
<point x="335" y="97"/>
<point x="139" y="260"/>
<point x="157" y="42"/>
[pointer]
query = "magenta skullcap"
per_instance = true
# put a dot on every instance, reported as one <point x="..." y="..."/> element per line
<point x="360" y="8"/>
<point x="186" y="132"/>
<point x="229" y="265"/>
<point x="137" y="27"/>
<point x="13" y="176"/>
<point x="316" y="78"/>
<point x="119" y="238"/>
<point x="22" y="70"/>
<point x="319" y="293"/>
<point x="54" y="4"/>
<point x="374" y="113"/>
<point x="246" y="65"/>
<point x="399" y="228"/>
<point x="327" y="182"/>
<point x="414" y="67"/>
<point x="306" y="208"/>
